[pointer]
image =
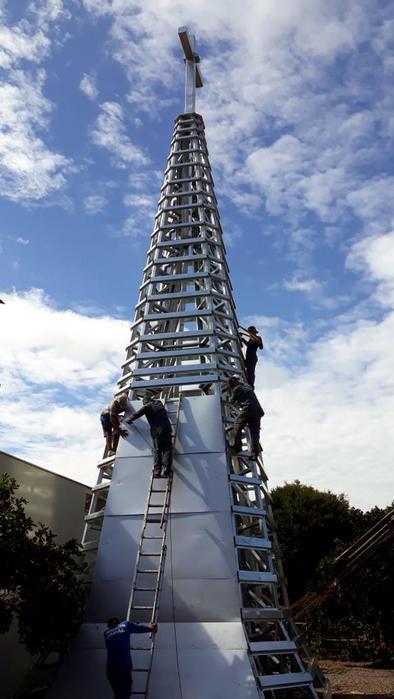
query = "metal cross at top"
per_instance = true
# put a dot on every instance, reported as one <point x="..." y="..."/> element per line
<point x="193" y="77"/>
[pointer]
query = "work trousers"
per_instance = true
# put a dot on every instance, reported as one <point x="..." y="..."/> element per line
<point x="252" y="420"/>
<point x="250" y="365"/>
<point x="120" y="681"/>
<point x="162" y="447"/>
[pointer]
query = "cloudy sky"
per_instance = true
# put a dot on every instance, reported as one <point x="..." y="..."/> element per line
<point x="298" y="105"/>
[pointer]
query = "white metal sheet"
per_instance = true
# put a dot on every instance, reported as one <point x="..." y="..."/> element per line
<point x="201" y="546"/>
<point x="108" y="598"/>
<point x="200" y="600"/>
<point x="214" y="673"/>
<point x="200" y="428"/>
<point x="129" y="486"/>
<point x="118" y="546"/>
<point x="200" y="483"/>
<point x="82" y="675"/>
<point x="138" y="442"/>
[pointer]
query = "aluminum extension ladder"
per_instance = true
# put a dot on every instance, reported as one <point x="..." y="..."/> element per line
<point x="146" y="585"/>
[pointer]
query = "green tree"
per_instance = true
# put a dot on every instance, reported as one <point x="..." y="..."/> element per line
<point x="40" y="581"/>
<point x="313" y="528"/>
<point x="310" y="523"/>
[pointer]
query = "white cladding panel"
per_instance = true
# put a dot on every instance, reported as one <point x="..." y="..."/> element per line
<point x="200" y="484"/>
<point x="129" y="486"/>
<point x="200" y="428"/>
<point x="201" y="546"/>
<point x="191" y="661"/>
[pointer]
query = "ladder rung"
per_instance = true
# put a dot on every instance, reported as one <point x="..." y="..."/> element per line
<point x="94" y="515"/>
<point x="151" y="554"/>
<point x="150" y="571"/>
<point x="152" y="537"/>
<point x="100" y="486"/>
<point x="272" y="647"/>
<point x="257" y="613"/>
<point x="145" y="589"/>
<point x="252" y="542"/>
<point x="140" y="669"/>
<point x="291" y="679"/>
<point x="244" y="479"/>
<point x="156" y="505"/>
<point x="254" y="576"/>
<point x="159" y="491"/>
<point x="250" y="511"/>
<point x="141" y="606"/>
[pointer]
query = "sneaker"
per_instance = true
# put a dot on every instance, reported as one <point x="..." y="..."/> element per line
<point x="157" y="473"/>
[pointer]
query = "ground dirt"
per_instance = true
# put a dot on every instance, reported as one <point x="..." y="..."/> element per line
<point x="359" y="679"/>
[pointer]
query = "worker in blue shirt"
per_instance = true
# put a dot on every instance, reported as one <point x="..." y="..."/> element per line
<point x="119" y="663"/>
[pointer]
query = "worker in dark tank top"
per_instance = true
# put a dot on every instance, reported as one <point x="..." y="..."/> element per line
<point x="253" y="343"/>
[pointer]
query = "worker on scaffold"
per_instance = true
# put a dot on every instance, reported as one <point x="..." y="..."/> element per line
<point x="253" y="343"/>
<point x="160" y="429"/>
<point x="110" y="422"/>
<point x="251" y="413"/>
<point x="119" y="662"/>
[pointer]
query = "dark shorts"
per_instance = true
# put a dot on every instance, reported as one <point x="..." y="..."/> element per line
<point x="106" y="424"/>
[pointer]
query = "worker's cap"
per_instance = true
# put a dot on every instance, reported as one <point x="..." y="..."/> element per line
<point x="233" y="380"/>
<point x="149" y="396"/>
<point x="252" y="329"/>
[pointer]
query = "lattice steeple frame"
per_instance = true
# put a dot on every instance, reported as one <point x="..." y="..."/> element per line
<point x="185" y="329"/>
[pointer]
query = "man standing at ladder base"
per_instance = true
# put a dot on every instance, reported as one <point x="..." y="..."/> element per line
<point x="119" y="663"/>
<point x="160" y="429"/>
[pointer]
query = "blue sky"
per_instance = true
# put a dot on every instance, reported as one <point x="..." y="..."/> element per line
<point x="298" y="106"/>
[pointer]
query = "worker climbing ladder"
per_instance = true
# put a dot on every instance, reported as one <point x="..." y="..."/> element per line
<point x="149" y="568"/>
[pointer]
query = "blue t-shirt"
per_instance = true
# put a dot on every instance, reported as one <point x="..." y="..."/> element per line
<point x="117" y="641"/>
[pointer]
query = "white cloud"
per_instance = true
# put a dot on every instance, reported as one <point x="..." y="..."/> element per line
<point x="309" y="286"/>
<point x="374" y="257"/>
<point x="88" y="86"/>
<point x="328" y="419"/>
<point x="58" y="368"/>
<point x="110" y="133"/>
<point x="29" y="170"/>
<point x="271" y="70"/>
<point x="22" y="241"/>
<point x="94" y="204"/>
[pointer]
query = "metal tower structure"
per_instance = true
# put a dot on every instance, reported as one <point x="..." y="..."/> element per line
<point x="213" y="577"/>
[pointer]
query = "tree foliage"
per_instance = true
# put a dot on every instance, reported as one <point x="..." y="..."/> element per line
<point x="40" y="581"/>
<point x="313" y="528"/>
<point x="310" y="523"/>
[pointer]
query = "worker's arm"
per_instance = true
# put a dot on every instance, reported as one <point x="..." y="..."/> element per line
<point x="116" y="426"/>
<point x="137" y="414"/>
<point x="133" y="627"/>
<point x="257" y="339"/>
